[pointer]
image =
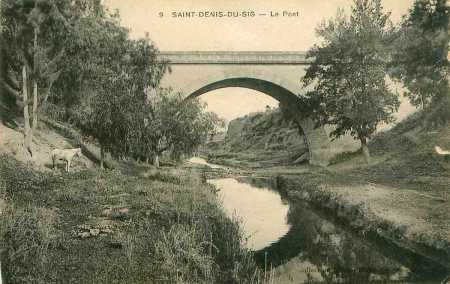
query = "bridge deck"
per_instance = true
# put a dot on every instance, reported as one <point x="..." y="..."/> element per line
<point x="235" y="57"/>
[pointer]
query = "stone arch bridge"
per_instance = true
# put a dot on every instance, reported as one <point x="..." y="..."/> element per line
<point x="276" y="74"/>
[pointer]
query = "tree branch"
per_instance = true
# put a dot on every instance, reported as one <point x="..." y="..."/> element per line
<point x="16" y="94"/>
<point x="51" y="65"/>
<point x="52" y="78"/>
<point x="11" y="80"/>
<point x="11" y="90"/>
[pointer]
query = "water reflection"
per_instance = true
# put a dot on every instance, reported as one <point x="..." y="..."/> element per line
<point x="303" y="246"/>
<point x="322" y="252"/>
<point x="315" y="250"/>
<point x="261" y="210"/>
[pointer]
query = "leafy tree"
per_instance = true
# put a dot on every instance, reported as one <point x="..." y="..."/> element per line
<point x="218" y="124"/>
<point x="97" y="44"/>
<point x="420" y="54"/>
<point x="31" y="31"/>
<point x="117" y="108"/>
<point x="101" y="119"/>
<point x="177" y="124"/>
<point x="348" y="73"/>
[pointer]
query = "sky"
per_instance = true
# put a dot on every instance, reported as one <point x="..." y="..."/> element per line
<point x="250" y="25"/>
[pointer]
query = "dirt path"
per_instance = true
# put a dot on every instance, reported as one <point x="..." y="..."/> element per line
<point x="417" y="212"/>
<point x="413" y="220"/>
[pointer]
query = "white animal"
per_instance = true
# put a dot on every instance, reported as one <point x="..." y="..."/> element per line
<point x="65" y="155"/>
<point x="442" y="152"/>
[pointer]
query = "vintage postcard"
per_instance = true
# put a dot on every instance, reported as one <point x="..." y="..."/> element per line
<point x="224" y="141"/>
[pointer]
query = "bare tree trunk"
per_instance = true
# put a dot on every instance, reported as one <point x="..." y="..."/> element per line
<point x="365" y="150"/>
<point x="156" y="160"/>
<point x="102" y="156"/>
<point x="26" y="114"/>
<point x="35" y="107"/>
<point x="35" y="85"/>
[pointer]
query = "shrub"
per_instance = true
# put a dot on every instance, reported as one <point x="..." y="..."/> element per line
<point x="163" y="176"/>
<point x="236" y="262"/>
<point x="26" y="236"/>
<point x="182" y="255"/>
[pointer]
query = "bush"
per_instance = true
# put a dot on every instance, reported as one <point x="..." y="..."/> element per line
<point x="164" y="176"/>
<point x="16" y="177"/>
<point x="53" y="111"/>
<point x="182" y="254"/>
<point x="440" y="113"/>
<point x="26" y="236"/>
<point x="236" y="262"/>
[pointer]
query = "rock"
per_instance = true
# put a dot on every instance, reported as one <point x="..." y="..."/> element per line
<point x="86" y="231"/>
<point x="94" y="232"/>
<point x="106" y="231"/>
<point x="84" y="227"/>
<point x="84" y="235"/>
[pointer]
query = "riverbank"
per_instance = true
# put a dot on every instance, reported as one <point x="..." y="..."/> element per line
<point x="331" y="238"/>
<point x="401" y="198"/>
<point x="400" y="217"/>
<point x="90" y="225"/>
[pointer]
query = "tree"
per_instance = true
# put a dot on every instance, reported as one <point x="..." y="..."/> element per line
<point x="348" y="73"/>
<point x="176" y="124"/>
<point x="125" y="70"/>
<point x="420" y="54"/>
<point x="422" y="46"/>
<point x="30" y="29"/>
<point x="217" y="124"/>
<point x="96" y="46"/>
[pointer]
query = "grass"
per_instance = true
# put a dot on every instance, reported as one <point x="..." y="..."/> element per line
<point x="408" y="157"/>
<point x="29" y="233"/>
<point x="403" y="156"/>
<point x="109" y="227"/>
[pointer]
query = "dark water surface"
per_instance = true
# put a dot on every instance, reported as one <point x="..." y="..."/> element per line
<point x="302" y="245"/>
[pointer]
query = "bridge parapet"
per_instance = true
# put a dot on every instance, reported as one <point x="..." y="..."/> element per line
<point x="235" y="57"/>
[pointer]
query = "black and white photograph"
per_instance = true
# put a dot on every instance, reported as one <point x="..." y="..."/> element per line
<point x="225" y="141"/>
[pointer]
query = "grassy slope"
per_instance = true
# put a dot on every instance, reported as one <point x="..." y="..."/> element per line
<point x="405" y="157"/>
<point x="131" y="225"/>
<point x="108" y="227"/>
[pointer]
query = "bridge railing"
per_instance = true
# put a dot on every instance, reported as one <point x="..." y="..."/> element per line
<point x="235" y="57"/>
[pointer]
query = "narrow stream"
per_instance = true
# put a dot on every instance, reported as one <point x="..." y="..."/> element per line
<point x="303" y="246"/>
<point x="261" y="210"/>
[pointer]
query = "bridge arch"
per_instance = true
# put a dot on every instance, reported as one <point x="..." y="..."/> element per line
<point x="316" y="138"/>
